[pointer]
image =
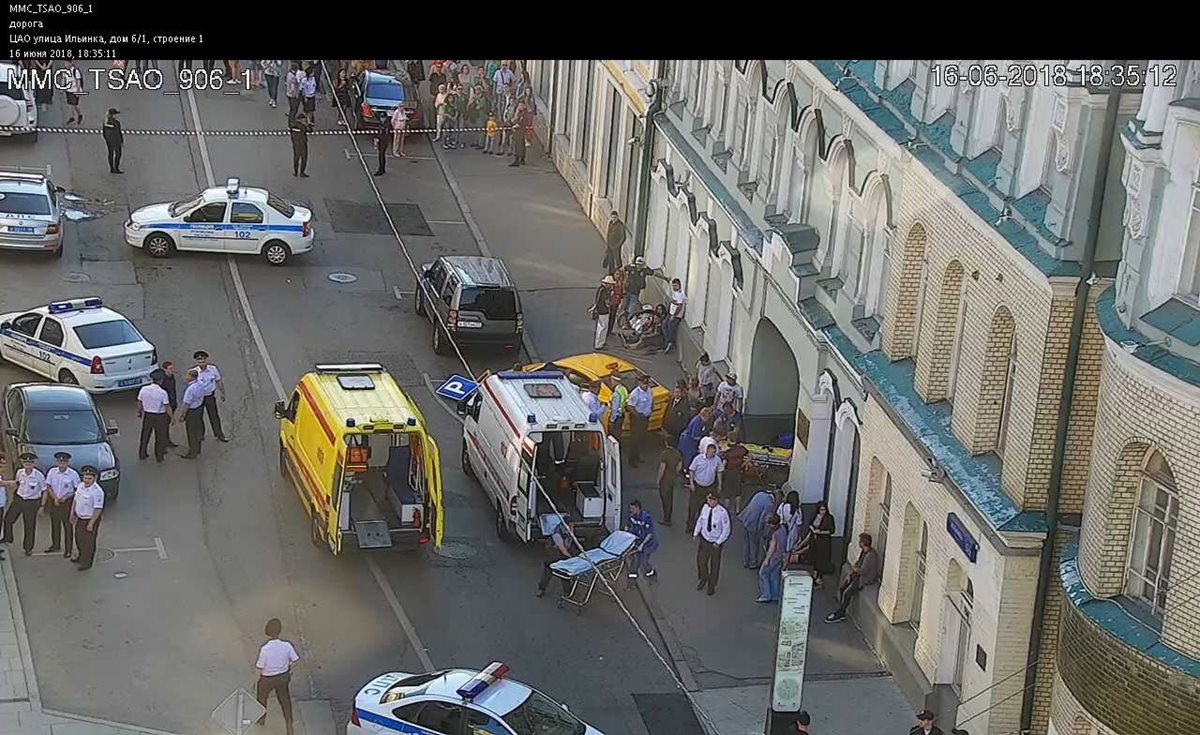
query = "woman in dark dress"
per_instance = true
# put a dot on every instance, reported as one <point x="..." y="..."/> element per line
<point x="43" y="94"/>
<point x="821" y="552"/>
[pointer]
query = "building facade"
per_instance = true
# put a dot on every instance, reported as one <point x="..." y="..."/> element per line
<point x="891" y="262"/>
<point x="1128" y="660"/>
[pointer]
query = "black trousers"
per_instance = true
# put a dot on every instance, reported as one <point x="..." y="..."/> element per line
<point x="114" y="157"/>
<point x="299" y="165"/>
<point x="846" y="594"/>
<point x="666" y="493"/>
<point x="158" y="424"/>
<point x="381" y="148"/>
<point x="193" y="421"/>
<point x="85" y="542"/>
<point x="214" y="417"/>
<point x="696" y="500"/>
<point x="279" y="685"/>
<point x="708" y="563"/>
<point x="293" y="107"/>
<point x="548" y="574"/>
<point x="26" y="510"/>
<point x="61" y="534"/>
<point x="639" y="424"/>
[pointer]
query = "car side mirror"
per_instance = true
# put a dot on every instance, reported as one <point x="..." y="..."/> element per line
<point x="60" y="190"/>
<point x="112" y="429"/>
<point x="15" y="434"/>
<point x="280" y="410"/>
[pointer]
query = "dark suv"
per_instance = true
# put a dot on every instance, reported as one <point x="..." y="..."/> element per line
<point x="376" y="94"/>
<point x="45" y="418"/>
<point x="474" y="298"/>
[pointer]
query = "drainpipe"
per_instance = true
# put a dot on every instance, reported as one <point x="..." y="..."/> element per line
<point x="658" y="92"/>
<point x="1087" y="265"/>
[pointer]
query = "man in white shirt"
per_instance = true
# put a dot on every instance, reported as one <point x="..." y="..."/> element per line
<point x="591" y="396"/>
<point x="641" y="405"/>
<point x="154" y="408"/>
<point x="85" y="516"/>
<point x="31" y="486"/>
<point x="275" y="661"/>
<point x="211" y="382"/>
<point x="704" y="476"/>
<point x="674" y="314"/>
<point x="192" y="415"/>
<point x="730" y="396"/>
<point x="712" y="529"/>
<point x="61" y="481"/>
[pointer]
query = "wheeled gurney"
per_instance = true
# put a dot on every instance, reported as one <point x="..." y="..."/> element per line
<point x="581" y="573"/>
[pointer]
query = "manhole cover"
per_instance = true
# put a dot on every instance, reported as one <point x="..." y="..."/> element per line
<point x="103" y="555"/>
<point x="76" y="277"/>
<point x="456" y="550"/>
<point x="343" y="277"/>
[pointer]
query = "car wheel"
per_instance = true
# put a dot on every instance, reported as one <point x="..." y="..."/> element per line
<point x="502" y="531"/>
<point x="276" y="252"/>
<point x="58" y="251"/>
<point x="439" y="340"/>
<point x="468" y="470"/>
<point x="66" y="377"/>
<point x="318" y="535"/>
<point x="420" y="305"/>
<point x="159" y="245"/>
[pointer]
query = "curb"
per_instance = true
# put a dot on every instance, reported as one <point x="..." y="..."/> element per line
<point x="26" y="652"/>
<point x="480" y="240"/>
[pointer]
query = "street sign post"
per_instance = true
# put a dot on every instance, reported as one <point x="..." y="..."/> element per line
<point x="456" y="388"/>
<point x="238" y="713"/>
<point x="791" y="653"/>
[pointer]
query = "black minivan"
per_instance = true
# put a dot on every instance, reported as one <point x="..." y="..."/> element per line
<point x="474" y="299"/>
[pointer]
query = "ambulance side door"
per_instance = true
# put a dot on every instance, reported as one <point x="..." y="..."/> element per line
<point x="612" y="483"/>
<point x="526" y="494"/>
<point x="434" y="514"/>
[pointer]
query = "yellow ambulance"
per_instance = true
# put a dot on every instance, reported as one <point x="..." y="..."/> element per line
<point x="358" y="452"/>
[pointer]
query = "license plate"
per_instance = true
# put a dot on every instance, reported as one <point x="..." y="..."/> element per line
<point x="128" y="382"/>
<point x="21" y="230"/>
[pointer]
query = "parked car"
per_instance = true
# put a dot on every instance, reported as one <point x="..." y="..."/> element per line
<point x="31" y="215"/>
<point x="45" y="418"/>
<point x="376" y="94"/>
<point x="473" y="300"/>
<point x="17" y="108"/>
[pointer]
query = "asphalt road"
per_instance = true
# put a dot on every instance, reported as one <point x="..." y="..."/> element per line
<point x="162" y="644"/>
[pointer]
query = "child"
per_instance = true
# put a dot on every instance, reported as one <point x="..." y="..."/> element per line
<point x="492" y="137"/>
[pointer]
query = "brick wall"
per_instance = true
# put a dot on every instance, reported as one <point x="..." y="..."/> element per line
<point x="1083" y="415"/>
<point x="933" y="375"/>
<point x="1067" y="715"/>
<point x="903" y="289"/>
<point x="985" y="436"/>
<point x="1140" y="408"/>
<point x="1048" y="644"/>
<point x="1121" y="688"/>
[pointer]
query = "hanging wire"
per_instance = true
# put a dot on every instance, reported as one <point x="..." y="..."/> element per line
<point x="421" y="284"/>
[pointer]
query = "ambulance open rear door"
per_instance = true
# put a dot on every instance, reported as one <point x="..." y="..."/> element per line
<point x="435" y="520"/>
<point x="612" y="484"/>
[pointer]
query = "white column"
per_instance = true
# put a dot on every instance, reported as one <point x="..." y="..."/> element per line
<point x="1144" y="108"/>
<point x="1157" y="118"/>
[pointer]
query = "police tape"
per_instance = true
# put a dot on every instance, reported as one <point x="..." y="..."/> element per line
<point x="15" y="130"/>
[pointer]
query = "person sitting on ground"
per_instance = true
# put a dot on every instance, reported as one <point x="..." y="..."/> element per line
<point x="648" y="332"/>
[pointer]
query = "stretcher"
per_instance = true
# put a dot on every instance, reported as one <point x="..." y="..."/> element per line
<point x="581" y="573"/>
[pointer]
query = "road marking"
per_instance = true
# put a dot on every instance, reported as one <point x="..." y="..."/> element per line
<point x="405" y="623"/>
<point x="446" y="222"/>
<point x="162" y="549"/>
<point x="397" y="293"/>
<point x="388" y="593"/>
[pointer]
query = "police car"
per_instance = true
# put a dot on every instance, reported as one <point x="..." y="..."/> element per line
<point x="233" y="219"/>
<point x="78" y="342"/>
<point x="459" y="702"/>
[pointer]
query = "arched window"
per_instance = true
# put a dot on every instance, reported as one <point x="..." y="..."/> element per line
<point x="885" y="514"/>
<point x="720" y="103"/>
<point x="919" y="571"/>
<point x="698" y="95"/>
<point x="770" y="171"/>
<point x="1153" y="541"/>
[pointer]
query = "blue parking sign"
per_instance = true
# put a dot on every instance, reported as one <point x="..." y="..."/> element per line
<point x="456" y="387"/>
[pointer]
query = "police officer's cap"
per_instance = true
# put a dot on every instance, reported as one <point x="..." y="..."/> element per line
<point x="62" y="455"/>
<point x="28" y="457"/>
<point x="113" y="111"/>
<point x="89" y="470"/>
<point x="199" y="354"/>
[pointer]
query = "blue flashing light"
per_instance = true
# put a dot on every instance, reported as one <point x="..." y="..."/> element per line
<point x="61" y="307"/>
<point x="481" y="681"/>
<point x="531" y="419"/>
<point x="349" y="423"/>
<point x="412" y="420"/>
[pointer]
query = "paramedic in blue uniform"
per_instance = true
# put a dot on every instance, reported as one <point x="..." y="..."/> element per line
<point x="192" y="415"/>
<point x="62" y="481"/>
<point x="210" y="377"/>
<point x="641" y="525"/>
<point x="560" y="545"/>
<point x="31" y="487"/>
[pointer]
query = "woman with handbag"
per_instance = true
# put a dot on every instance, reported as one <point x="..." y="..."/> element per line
<point x="770" y="574"/>
<point x="821" y="527"/>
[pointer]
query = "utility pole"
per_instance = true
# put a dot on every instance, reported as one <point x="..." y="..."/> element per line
<point x="657" y="92"/>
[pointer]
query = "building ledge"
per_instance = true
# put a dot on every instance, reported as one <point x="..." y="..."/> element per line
<point x="861" y="91"/>
<point x="1121" y="621"/>
<point x="816" y="315"/>
<point x="977" y="476"/>
<point x="1110" y="323"/>
<point x="1177" y="318"/>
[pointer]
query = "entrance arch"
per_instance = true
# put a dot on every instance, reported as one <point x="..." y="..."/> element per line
<point x="773" y="395"/>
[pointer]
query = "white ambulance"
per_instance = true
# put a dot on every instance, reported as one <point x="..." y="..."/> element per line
<point x="539" y="452"/>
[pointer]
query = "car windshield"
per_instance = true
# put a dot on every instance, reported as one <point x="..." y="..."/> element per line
<point x="7" y="90"/>
<point x="494" y="303"/>
<point x="75" y="426"/>
<point x="281" y="206"/>
<point x="384" y="91"/>
<point x="540" y="715"/>
<point x="184" y="205"/>
<point x="24" y="202"/>
<point x="107" y="334"/>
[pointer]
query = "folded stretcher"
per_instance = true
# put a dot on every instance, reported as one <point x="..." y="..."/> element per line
<point x="581" y="573"/>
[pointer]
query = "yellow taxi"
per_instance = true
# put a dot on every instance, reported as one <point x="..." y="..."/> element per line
<point x="583" y="369"/>
<point x="357" y="451"/>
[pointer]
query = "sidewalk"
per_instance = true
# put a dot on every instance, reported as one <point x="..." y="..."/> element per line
<point x="723" y="646"/>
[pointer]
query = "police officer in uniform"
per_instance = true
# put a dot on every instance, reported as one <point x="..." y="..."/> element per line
<point x="114" y="139"/>
<point x="210" y="379"/>
<point x="62" y="481"/>
<point x="299" y="128"/>
<point x="154" y="408"/>
<point x="192" y="415"/>
<point x="381" y="144"/>
<point x="85" y="516"/>
<point x="31" y="486"/>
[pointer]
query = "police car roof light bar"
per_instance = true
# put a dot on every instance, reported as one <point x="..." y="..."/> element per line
<point x="61" y="307"/>
<point x="484" y="679"/>
<point x="232" y="186"/>
<point x="533" y="375"/>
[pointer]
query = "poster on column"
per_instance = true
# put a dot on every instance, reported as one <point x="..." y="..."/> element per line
<point x="791" y="653"/>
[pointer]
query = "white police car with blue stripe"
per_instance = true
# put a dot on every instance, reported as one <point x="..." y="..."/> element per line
<point x="78" y="342"/>
<point x="459" y="702"/>
<point x="230" y="219"/>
